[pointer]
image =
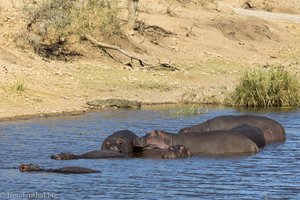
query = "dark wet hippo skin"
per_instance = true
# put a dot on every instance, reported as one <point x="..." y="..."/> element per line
<point x="253" y="133"/>
<point x="220" y="142"/>
<point x="64" y="170"/>
<point x="97" y="154"/>
<point x="272" y="130"/>
<point x="120" y="141"/>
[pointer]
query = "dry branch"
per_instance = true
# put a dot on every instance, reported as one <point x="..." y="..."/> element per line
<point x="107" y="46"/>
<point x="132" y="57"/>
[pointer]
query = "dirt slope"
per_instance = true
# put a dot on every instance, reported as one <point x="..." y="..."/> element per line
<point x="211" y="45"/>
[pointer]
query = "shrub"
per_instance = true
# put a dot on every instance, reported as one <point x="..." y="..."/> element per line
<point x="56" y="18"/>
<point x="267" y="88"/>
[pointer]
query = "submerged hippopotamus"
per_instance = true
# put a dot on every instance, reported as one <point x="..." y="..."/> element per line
<point x="89" y="155"/>
<point x="176" y="151"/>
<point x="117" y="145"/>
<point x="271" y="129"/>
<point x="64" y="170"/>
<point x="220" y="142"/>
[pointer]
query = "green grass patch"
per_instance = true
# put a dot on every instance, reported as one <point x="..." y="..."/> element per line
<point x="273" y="87"/>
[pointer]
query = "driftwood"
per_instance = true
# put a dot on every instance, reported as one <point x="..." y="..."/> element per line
<point x="142" y="62"/>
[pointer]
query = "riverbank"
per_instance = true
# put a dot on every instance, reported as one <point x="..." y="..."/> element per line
<point x="212" y="48"/>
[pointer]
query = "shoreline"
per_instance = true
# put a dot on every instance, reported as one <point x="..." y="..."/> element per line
<point x="72" y="112"/>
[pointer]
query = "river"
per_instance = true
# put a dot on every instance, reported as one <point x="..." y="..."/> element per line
<point x="273" y="173"/>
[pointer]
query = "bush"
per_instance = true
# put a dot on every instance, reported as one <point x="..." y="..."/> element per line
<point x="270" y="88"/>
<point x="57" y="18"/>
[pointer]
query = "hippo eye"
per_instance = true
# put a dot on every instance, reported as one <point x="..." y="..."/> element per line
<point x="107" y="143"/>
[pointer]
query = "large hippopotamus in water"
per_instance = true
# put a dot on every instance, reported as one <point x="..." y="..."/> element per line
<point x="219" y="142"/>
<point x="272" y="130"/>
<point x="117" y="145"/>
<point x="64" y="170"/>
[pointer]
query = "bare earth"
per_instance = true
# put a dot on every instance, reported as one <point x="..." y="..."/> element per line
<point x="213" y="46"/>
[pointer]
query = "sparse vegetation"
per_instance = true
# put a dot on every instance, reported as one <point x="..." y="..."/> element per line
<point x="18" y="86"/>
<point x="156" y="86"/>
<point x="54" y="18"/>
<point x="189" y="97"/>
<point x="267" y="88"/>
<point x="188" y="106"/>
<point x="187" y="110"/>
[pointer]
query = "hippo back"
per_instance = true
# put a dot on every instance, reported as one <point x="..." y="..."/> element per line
<point x="272" y="130"/>
<point x="218" y="142"/>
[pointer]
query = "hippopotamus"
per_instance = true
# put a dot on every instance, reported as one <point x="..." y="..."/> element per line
<point x="117" y="145"/>
<point x="89" y="155"/>
<point x="176" y="151"/>
<point x="272" y="130"/>
<point x="65" y="170"/>
<point x="219" y="142"/>
<point x="120" y="141"/>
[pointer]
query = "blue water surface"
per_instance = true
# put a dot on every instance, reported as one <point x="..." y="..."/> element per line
<point x="273" y="173"/>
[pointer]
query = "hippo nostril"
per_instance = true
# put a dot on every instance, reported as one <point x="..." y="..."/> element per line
<point x="22" y="167"/>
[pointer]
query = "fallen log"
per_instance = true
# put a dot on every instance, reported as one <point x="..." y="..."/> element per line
<point x="142" y="62"/>
<point x="107" y="46"/>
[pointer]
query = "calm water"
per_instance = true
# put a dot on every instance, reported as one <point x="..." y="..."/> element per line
<point x="273" y="173"/>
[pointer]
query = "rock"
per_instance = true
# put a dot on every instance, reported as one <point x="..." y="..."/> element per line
<point x="118" y="103"/>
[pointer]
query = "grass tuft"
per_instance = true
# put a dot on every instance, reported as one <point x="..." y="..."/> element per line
<point x="274" y="87"/>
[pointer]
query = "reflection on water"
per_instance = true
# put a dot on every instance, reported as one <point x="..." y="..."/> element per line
<point x="273" y="173"/>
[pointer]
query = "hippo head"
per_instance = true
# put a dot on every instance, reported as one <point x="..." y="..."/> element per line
<point x="62" y="156"/>
<point x="153" y="140"/>
<point x="117" y="145"/>
<point x="29" y="167"/>
<point x="177" y="151"/>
